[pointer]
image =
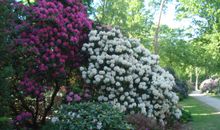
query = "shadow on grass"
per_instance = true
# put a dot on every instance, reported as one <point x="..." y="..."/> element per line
<point x="204" y="116"/>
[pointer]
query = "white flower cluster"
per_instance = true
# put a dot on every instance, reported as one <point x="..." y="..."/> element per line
<point x="70" y="116"/>
<point x="128" y="75"/>
<point x="54" y="119"/>
<point x="99" y="125"/>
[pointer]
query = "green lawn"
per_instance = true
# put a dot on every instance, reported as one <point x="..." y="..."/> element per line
<point x="204" y="117"/>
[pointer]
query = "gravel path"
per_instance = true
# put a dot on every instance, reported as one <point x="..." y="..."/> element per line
<point x="213" y="102"/>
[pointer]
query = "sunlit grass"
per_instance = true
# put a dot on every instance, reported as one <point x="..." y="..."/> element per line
<point x="204" y="117"/>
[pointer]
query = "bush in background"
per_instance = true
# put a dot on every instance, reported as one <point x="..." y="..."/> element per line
<point x="181" y="87"/>
<point x="210" y="85"/>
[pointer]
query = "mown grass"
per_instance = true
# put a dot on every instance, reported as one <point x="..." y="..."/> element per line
<point x="204" y="116"/>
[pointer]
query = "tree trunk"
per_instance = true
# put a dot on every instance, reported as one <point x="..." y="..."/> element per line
<point x="190" y="79"/>
<point x="197" y="79"/>
<point x="156" y="43"/>
<point x="48" y="108"/>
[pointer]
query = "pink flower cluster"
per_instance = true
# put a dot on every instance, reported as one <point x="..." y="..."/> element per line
<point x="32" y="87"/>
<point x="52" y="33"/>
<point x="24" y="117"/>
<point x="71" y="96"/>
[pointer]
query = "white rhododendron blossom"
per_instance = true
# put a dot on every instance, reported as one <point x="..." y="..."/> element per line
<point x="128" y="75"/>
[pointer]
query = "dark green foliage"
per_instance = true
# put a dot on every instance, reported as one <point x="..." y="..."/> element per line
<point x="6" y="17"/>
<point x="88" y="4"/>
<point x="181" y="87"/>
<point x="5" y="124"/>
<point x="90" y="115"/>
<point x="5" y="91"/>
<point x="6" y="71"/>
<point x="50" y="126"/>
<point x="186" y="116"/>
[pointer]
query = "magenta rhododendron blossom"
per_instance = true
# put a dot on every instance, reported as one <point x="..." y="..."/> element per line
<point x="31" y="87"/>
<point x="23" y="117"/>
<point x="73" y="97"/>
<point x="49" y="38"/>
<point x="52" y="33"/>
<point x="19" y="118"/>
<point x="77" y="97"/>
<point x="69" y="99"/>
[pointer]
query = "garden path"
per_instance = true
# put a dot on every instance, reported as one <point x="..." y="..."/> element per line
<point x="211" y="101"/>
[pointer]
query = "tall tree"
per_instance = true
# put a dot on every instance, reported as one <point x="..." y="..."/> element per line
<point x="156" y="44"/>
<point x="131" y="15"/>
<point x="205" y="39"/>
<point x="205" y="15"/>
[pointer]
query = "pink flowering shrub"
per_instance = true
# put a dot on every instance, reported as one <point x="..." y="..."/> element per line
<point x="46" y="51"/>
<point x="71" y="96"/>
<point x="209" y="85"/>
<point x="23" y="118"/>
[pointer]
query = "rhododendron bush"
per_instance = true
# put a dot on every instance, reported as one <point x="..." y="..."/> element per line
<point x="128" y="76"/>
<point x="209" y="85"/>
<point x="46" y="52"/>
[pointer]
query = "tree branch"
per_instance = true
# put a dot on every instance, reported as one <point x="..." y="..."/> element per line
<point x="36" y="113"/>
<point x="48" y="108"/>
<point x="23" y="103"/>
<point x="28" y="1"/>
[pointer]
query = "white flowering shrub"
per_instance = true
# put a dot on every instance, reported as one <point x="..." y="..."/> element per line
<point x="128" y="75"/>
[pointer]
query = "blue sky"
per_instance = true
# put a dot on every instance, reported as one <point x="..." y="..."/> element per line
<point x="168" y="18"/>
